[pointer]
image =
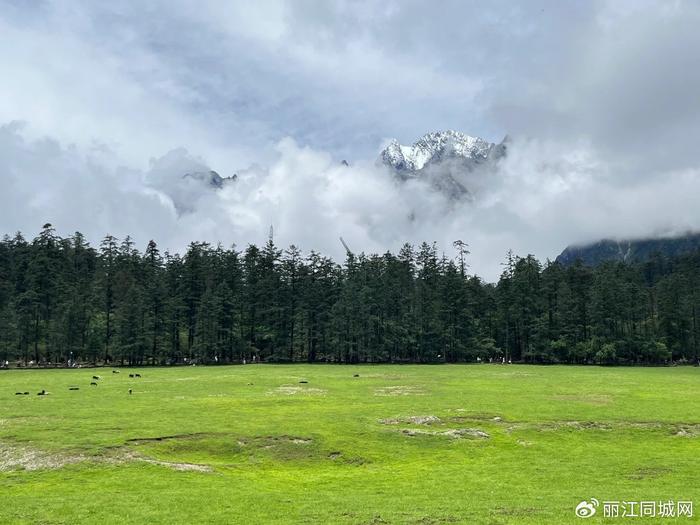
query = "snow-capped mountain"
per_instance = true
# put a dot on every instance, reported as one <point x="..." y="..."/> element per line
<point x="435" y="147"/>
<point x="445" y="158"/>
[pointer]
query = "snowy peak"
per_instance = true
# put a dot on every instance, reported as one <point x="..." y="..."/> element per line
<point x="438" y="146"/>
<point x="453" y="163"/>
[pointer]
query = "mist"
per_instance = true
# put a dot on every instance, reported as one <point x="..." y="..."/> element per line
<point x="542" y="197"/>
<point x="105" y="108"/>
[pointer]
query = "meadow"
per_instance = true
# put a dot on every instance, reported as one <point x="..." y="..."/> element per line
<point x="491" y="444"/>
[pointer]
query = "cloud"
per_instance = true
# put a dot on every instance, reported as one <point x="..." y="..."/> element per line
<point x="120" y="100"/>
<point x="538" y="201"/>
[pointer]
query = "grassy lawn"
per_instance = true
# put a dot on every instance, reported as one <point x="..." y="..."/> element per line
<point x="251" y="444"/>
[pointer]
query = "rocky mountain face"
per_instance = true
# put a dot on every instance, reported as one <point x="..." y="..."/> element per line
<point x="447" y="159"/>
<point x="634" y="250"/>
<point x="187" y="189"/>
<point x="210" y="178"/>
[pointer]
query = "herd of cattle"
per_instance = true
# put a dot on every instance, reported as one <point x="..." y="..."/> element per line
<point x="94" y="382"/>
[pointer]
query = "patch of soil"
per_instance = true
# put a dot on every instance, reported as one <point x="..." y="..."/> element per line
<point x="135" y="456"/>
<point x="15" y="457"/>
<point x="27" y="458"/>
<point x="289" y="390"/>
<point x="416" y="420"/>
<point x="454" y="433"/>
<point x="687" y="431"/>
<point x="572" y="425"/>
<point x="401" y="390"/>
<point x="178" y="466"/>
<point x="475" y="417"/>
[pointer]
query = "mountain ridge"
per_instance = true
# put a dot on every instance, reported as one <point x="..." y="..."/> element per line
<point x="629" y="250"/>
<point x="445" y="159"/>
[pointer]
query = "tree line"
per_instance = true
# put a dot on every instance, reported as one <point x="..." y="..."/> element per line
<point x="64" y="302"/>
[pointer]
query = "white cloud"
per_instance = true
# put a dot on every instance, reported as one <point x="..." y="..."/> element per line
<point x="605" y="91"/>
<point x="543" y="197"/>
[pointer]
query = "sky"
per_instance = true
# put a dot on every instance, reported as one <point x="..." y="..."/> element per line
<point x="104" y="106"/>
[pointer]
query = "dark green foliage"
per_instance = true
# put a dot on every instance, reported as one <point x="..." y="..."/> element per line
<point x="63" y="302"/>
<point x="630" y="250"/>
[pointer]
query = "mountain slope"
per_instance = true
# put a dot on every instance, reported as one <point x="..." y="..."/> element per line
<point x="630" y="250"/>
<point x="444" y="158"/>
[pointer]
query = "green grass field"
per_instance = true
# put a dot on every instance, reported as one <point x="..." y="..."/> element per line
<point x="251" y="444"/>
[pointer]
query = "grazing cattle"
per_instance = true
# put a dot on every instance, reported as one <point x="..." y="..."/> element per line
<point x="73" y="388"/>
<point x="95" y="377"/>
<point x="93" y="384"/>
<point x="137" y="375"/>
<point x="303" y="381"/>
<point x="42" y="393"/>
<point x="356" y="375"/>
<point x="130" y="391"/>
<point x="115" y="371"/>
<point x="19" y="393"/>
<point x="131" y="375"/>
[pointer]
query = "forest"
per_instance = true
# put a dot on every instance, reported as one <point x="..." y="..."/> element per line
<point x="64" y="303"/>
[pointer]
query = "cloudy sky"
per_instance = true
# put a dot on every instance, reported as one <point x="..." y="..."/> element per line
<point x="104" y="107"/>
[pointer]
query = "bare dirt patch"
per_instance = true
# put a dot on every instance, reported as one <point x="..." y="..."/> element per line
<point x="290" y="390"/>
<point x="21" y="457"/>
<point x="687" y="431"/>
<point x="556" y="426"/>
<point x="454" y="433"/>
<point x="130" y="456"/>
<point x="18" y="457"/>
<point x="178" y="466"/>
<point x="400" y="390"/>
<point x="475" y="417"/>
<point x="416" y="420"/>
